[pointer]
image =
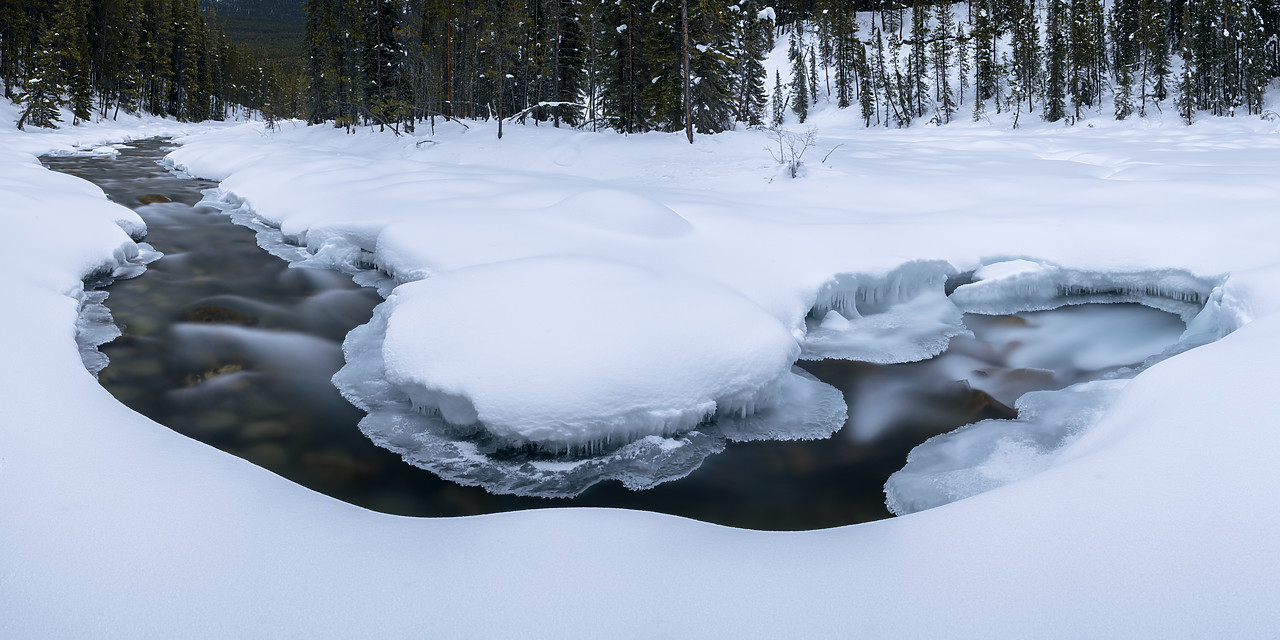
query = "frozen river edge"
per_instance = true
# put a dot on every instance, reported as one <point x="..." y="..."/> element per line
<point x="1156" y="523"/>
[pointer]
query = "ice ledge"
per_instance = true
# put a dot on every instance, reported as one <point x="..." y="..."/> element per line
<point x="1012" y="286"/>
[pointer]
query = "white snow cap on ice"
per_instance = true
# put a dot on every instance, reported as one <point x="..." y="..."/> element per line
<point x="572" y="371"/>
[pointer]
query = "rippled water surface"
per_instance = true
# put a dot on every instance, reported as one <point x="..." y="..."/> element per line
<point x="226" y="344"/>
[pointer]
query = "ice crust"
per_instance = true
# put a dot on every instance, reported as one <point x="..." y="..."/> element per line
<point x="993" y="453"/>
<point x="404" y="419"/>
<point x="903" y="316"/>
<point x="1024" y="285"/>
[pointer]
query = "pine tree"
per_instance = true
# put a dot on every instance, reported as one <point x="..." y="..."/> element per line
<point x="1186" y="80"/>
<point x="898" y="98"/>
<point x="883" y="82"/>
<point x="963" y="65"/>
<point x="1253" y="65"/>
<point x="1055" y="62"/>
<point x="1086" y="55"/>
<point x="983" y="37"/>
<point x="867" y="103"/>
<point x="1124" y="91"/>
<point x="779" y="100"/>
<point x="380" y="64"/>
<point x="844" y="57"/>
<point x="711" y="64"/>
<point x="1153" y="45"/>
<point x="72" y="24"/>
<point x="750" y="75"/>
<point x="943" y="47"/>
<point x="813" y="76"/>
<point x="799" y="87"/>
<point x="1025" y="62"/>
<point x="41" y="94"/>
<point x="918" y="61"/>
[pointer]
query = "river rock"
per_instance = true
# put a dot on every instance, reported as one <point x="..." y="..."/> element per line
<point x="264" y="430"/>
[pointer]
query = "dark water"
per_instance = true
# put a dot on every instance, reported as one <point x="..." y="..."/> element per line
<point x="224" y="343"/>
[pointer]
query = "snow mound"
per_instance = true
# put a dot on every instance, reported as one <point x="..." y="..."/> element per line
<point x="620" y="212"/>
<point x="1012" y="286"/>
<point x="903" y="316"/>
<point x="985" y="455"/>
<point x="572" y="381"/>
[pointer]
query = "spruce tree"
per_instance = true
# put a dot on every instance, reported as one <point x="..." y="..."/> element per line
<point x="1055" y="61"/>
<point x="749" y="53"/>
<point x="779" y="100"/>
<point x="963" y="65"/>
<point x="380" y="64"/>
<point x="983" y="37"/>
<point x="844" y="56"/>
<point x="799" y="87"/>
<point x="1025" y="62"/>
<point x="918" y="61"/>
<point x="1253" y="65"/>
<point x="711" y="63"/>
<point x="813" y="76"/>
<point x="1186" y="100"/>
<point x="942" y="49"/>
<point x="41" y="94"/>
<point x="73" y="27"/>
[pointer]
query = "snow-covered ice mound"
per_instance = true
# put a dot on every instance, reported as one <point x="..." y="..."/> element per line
<point x="573" y="379"/>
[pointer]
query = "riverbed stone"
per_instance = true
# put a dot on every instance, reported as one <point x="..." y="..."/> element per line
<point x="264" y="430"/>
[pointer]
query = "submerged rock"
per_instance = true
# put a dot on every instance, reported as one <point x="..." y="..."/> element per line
<point x="209" y="314"/>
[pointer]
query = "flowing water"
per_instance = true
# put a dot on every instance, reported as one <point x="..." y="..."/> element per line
<point x="226" y="344"/>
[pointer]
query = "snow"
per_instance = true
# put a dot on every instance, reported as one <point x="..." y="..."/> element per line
<point x="1154" y="517"/>
<point x="637" y="406"/>
<point x="704" y="349"/>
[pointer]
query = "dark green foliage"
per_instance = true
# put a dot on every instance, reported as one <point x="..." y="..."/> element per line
<point x="799" y="85"/>
<point x="752" y="41"/>
<point x="1055" y="61"/>
<point x="982" y="36"/>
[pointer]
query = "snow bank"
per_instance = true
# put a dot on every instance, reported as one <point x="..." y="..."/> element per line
<point x="1156" y="521"/>
<point x="823" y="256"/>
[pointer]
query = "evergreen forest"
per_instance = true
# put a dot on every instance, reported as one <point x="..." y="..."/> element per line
<point x="658" y="65"/>
<point x="161" y="57"/>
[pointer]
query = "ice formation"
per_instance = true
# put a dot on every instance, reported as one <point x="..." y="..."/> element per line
<point x="992" y="453"/>
<point x="903" y="316"/>
<point x="94" y="324"/>
<point x="1023" y="285"/>
<point x="501" y="425"/>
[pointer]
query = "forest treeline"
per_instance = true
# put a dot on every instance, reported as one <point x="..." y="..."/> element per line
<point x="650" y="65"/>
<point x="621" y="64"/>
<point x="161" y="57"/>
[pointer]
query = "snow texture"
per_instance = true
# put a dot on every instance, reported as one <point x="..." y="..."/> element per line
<point x="1159" y="520"/>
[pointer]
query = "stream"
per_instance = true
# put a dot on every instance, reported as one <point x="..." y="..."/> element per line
<point x="226" y="344"/>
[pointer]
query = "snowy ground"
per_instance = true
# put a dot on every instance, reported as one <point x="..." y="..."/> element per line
<point x="1159" y="520"/>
